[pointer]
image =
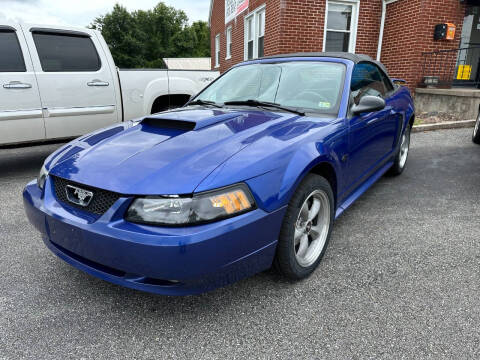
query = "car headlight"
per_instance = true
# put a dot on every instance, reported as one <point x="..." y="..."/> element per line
<point x="200" y="208"/>
<point x="42" y="177"/>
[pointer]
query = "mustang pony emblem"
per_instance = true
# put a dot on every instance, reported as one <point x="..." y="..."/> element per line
<point x="79" y="196"/>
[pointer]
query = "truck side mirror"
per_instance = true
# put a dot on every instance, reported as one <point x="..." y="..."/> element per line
<point x="369" y="104"/>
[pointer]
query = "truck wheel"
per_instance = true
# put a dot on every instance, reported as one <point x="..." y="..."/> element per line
<point x="402" y="154"/>
<point x="476" y="131"/>
<point x="306" y="228"/>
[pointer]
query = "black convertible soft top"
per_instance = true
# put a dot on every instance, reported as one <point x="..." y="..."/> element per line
<point x="356" y="58"/>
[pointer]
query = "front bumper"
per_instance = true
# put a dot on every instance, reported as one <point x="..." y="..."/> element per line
<point x="170" y="261"/>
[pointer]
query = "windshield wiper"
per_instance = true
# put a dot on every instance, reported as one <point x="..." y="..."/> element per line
<point x="257" y="103"/>
<point x="205" y="102"/>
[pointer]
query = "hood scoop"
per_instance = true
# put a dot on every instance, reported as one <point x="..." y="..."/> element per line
<point x="188" y="120"/>
<point x="169" y="124"/>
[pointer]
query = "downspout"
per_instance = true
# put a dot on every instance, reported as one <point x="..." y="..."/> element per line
<point x="382" y="28"/>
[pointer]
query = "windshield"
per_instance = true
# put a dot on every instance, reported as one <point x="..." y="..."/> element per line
<point x="306" y="85"/>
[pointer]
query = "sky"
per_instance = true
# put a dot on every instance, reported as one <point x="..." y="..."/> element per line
<point x="82" y="12"/>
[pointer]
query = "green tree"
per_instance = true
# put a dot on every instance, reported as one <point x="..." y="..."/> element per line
<point x="202" y="34"/>
<point x="142" y="38"/>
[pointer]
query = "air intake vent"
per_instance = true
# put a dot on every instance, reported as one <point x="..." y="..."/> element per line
<point x="169" y="124"/>
<point x="102" y="199"/>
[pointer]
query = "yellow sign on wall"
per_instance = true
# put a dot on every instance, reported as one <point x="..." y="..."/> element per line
<point x="464" y="72"/>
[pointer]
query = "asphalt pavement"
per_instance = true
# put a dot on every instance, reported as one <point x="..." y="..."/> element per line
<point x="400" y="279"/>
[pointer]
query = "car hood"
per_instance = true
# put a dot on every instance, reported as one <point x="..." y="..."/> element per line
<point x="168" y="153"/>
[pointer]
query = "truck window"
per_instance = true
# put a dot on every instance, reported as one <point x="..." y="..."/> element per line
<point x="11" y="57"/>
<point x="64" y="52"/>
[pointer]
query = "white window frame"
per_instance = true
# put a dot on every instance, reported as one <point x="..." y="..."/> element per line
<point x="354" y="25"/>
<point x="246" y="31"/>
<point x="217" y="51"/>
<point x="228" y="36"/>
<point x="255" y="15"/>
<point x="261" y="14"/>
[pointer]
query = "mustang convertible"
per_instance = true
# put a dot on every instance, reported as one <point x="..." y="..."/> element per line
<point x="250" y="173"/>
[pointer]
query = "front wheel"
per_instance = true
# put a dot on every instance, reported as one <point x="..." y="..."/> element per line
<point x="402" y="155"/>
<point x="306" y="228"/>
<point x="476" y="131"/>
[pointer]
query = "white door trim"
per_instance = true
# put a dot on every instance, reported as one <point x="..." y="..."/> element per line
<point x="20" y="114"/>
<point x="75" y="111"/>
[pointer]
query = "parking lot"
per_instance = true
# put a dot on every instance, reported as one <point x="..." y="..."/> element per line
<point x="400" y="279"/>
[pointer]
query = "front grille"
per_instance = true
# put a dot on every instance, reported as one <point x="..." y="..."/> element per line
<point x="102" y="199"/>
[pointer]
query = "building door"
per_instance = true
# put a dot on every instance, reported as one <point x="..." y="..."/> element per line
<point x="468" y="60"/>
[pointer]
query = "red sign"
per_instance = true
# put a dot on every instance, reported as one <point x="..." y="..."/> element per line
<point x="233" y="8"/>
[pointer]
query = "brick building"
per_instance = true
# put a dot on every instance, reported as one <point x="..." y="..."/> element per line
<point x="397" y="32"/>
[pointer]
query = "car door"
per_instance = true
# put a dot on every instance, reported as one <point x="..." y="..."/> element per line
<point x="75" y="80"/>
<point x="20" y="109"/>
<point x="371" y="135"/>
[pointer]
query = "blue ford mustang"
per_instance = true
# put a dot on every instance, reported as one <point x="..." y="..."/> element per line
<point x="250" y="173"/>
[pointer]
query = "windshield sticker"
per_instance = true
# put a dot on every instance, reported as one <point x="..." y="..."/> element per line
<point x="324" y="105"/>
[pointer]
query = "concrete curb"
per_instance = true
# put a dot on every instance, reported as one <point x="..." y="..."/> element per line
<point x="444" y="125"/>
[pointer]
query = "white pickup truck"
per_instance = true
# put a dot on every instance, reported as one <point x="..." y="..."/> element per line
<point x="60" y="82"/>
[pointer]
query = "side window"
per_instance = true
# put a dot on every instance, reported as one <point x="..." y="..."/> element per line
<point x="65" y="52"/>
<point x="367" y="79"/>
<point x="11" y="57"/>
<point x="387" y="82"/>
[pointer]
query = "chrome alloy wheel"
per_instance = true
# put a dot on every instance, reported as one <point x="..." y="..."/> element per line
<point x="404" y="147"/>
<point x="477" y="126"/>
<point x="311" y="228"/>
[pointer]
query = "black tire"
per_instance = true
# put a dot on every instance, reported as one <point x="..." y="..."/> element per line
<point x="398" y="164"/>
<point x="285" y="261"/>
<point x="476" y="131"/>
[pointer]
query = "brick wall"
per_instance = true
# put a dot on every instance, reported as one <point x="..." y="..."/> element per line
<point x="409" y="32"/>
<point x="218" y="26"/>
<point x="298" y="26"/>
<point x="399" y="49"/>
<point x="369" y="27"/>
<point x="302" y="24"/>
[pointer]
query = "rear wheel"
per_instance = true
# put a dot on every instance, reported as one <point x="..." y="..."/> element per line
<point x="476" y="131"/>
<point x="306" y="228"/>
<point x="402" y="155"/>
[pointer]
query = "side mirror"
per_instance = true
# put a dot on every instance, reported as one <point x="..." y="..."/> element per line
<point x="369" y="104"/>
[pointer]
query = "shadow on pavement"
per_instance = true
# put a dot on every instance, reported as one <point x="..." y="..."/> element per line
<point x="24" y="161"/>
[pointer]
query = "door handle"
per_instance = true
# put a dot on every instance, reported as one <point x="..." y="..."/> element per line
<point x="374" y="120"/>
<point x="16" y="85"/>
<point x="97" y="83"/>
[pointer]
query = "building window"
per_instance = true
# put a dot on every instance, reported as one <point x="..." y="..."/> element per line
<point x="255" y="34"/>
<point x="261" y="32"/>
<point x="217" y="50"/>
<point x="229" y="43"/>
<point x="249" y="38"/>
<point x="341" y="26"/>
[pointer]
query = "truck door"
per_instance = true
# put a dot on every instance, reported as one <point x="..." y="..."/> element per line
<point x="20" y="109"/>
<point x="75" y="80"/>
